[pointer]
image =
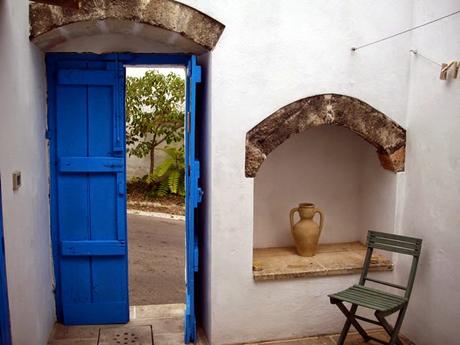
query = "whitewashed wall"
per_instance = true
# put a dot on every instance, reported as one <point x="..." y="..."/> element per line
<point x="138" y="167"/>
<point x="270" y="54"/>
<point x="328" y="166"/>
<point x="23" y="148"/>
<point x="432" y="191"/>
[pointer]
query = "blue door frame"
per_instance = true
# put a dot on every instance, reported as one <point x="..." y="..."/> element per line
<point x="5" y="332"/>
<point x="60" y="165"/>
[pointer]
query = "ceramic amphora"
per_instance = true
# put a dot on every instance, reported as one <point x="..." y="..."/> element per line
<point x="306" y="232"/>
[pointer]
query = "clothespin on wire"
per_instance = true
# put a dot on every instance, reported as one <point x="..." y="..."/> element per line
<point x="454" y="65"/>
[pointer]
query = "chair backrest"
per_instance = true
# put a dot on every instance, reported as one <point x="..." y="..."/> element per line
<point x="394" y="243"/>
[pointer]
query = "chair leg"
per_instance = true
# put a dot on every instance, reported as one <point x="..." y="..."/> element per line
<point x="392" y="332"/>
<point x="350" y="321"/>
<point x="395" y="338"/>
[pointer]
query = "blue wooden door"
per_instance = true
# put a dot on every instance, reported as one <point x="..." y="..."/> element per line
<point x="5" y="333"/>
<point x="86" y="133"/>
<point x="193" y="198"/>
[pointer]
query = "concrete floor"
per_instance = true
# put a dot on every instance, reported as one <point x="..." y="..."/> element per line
<point x="156" y="259"/>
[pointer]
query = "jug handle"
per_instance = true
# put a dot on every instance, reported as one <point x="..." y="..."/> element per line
<point x="321" y="219"/>
<point x="291" y="216"/>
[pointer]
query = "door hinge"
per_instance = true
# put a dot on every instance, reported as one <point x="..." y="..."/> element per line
<point x="121" y="188"/>
<point x="188" y="122"/>
<point x="195" y="258"/>
<point x="47" y="134"/>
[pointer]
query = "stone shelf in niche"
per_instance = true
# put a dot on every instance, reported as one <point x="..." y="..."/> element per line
<point x="330" y="260"/>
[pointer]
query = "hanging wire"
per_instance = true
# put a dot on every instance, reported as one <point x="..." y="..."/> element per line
<point x="415" y="52"/>
<point x="405" y="31"/>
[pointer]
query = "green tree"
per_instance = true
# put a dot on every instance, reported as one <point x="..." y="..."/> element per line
<point x="154" y="112"/>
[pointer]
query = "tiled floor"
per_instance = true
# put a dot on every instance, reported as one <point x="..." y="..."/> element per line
<point x="155" y="324"/>
<point x="163" y="325"/>
<point x="352" y="339"/>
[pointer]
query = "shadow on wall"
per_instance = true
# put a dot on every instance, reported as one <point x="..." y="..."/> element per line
<point x="333" y="168"/>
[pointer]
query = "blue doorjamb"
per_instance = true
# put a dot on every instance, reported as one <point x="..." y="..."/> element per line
<point x="193" y="192"/>
<point x="193" y="198"/>
<point x="5" y="331"/>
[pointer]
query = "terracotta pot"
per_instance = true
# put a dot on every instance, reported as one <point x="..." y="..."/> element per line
<point x="306" y="232"/>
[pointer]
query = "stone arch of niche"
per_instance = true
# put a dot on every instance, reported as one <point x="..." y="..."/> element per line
<point x="388" y="137"/>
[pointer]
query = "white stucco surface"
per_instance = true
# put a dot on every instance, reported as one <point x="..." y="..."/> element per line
<point x="271" y="54"/>
<point x="23" y="148"/>
<point x="432" y="192"/>
<point x="328" y="166"/>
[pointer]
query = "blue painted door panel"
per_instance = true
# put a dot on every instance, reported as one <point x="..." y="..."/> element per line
<point x="193" y="197"/>
<point x="86" y="132"/>
<point x="5" y="333"/>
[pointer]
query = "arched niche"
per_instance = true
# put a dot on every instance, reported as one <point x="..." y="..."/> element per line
<point x="376" y="128"/>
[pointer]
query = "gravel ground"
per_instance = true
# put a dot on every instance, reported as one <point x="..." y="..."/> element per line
<point x="156" y="260"/>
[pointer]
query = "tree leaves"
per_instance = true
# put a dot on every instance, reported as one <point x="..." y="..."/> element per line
<point x="154" y="112"/>
<point x="170" y="174"/>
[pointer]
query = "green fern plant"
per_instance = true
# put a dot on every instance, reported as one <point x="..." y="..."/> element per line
<point x="169" y="176"/>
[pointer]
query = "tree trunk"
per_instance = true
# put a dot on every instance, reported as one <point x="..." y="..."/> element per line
<point x="152" y="158"/>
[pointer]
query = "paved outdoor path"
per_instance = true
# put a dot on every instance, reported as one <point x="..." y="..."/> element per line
<point x="156" y="260"/>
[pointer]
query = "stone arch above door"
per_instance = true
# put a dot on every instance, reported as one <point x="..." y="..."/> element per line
<point x="376" y="128"/>
<point x="174" y="26"/>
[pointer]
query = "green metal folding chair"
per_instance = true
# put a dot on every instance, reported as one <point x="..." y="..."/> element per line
<point x="383" y="303"/>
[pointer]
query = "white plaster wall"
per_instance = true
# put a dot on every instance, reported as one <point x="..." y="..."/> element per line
<point x="432" y="198"/>
<point x="270" y="54"/>
<point x="138" y="167"/>
<point x="23" y="148"/>
<point x="378" y="207"/>
<point x="333" y="168"/>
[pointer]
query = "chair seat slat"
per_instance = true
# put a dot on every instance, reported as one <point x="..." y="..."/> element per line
<point x="379" y="292"/>
<point x="382" y="302"/>
<point x="370" y="298"/>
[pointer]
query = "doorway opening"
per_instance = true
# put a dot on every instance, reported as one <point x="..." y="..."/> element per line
<point x="155" y="176"/>
<point x="86" y="131"/>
